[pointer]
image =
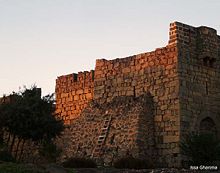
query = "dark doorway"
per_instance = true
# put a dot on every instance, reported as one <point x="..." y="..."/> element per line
<point x="208" y="126"/>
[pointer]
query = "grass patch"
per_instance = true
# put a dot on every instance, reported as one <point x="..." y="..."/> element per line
<point x="79" y="163"/>
<point x="132" y="163"/>
<point x="17" y="168"/>
<point x="70" y="171"/>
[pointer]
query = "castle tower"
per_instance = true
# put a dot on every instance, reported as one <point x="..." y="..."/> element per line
<point x="199" y="76"/>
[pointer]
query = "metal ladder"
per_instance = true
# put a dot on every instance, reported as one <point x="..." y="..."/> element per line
<point x="102" y="137"/>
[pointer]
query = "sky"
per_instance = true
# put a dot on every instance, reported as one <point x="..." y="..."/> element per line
<point x="43" y="39"/>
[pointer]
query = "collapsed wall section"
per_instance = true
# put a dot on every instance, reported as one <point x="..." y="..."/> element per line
<point x="122" y="138"/>
<point x="73" y="92"/>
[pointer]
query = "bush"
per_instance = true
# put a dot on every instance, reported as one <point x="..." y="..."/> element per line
<point x="13" y="168"/>
<point x="49" y="151"/>
<point x="79" y="163"/>
<point x="6" y="156"/>
<point x="132" y="163"/>
<point x="201" y="149"/>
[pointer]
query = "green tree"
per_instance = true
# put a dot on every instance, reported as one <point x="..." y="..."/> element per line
<point x="27" y="116"/>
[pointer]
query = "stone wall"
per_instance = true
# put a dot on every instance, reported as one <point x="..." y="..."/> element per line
<point x="154" y="72"/>
<point x="182" y="78"/>
<point x="131" y="131"/>
<point x="22" y="150"/>
<point x="73" y="92"/>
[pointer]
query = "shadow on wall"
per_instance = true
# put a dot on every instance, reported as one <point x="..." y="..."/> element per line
<point x="146" y="129"/>
<point x="113" y="130"/>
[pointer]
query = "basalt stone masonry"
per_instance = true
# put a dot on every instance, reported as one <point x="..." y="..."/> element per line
<point x="144" y="105"/>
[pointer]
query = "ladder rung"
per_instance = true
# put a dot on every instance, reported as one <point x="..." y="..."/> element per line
<point x="104" y="128"/>
<point x="102" y="136"/>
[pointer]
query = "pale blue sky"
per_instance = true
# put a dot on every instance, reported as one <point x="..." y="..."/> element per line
<point x="43" y="39"/>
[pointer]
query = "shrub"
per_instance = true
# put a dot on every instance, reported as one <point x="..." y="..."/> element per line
<point x="132" y="163"/>
<point x="6" y="156"/>
<point x="49" y="151"/>
<point x="79" y="163"/>
<point x="15" y="168"/>
<point x="201" y="148"/>
<point x="6" y="167"/>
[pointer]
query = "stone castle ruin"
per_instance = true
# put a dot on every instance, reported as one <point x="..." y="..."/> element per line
<point x="144" y="105"/>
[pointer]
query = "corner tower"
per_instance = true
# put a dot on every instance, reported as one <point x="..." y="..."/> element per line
<point x="199" y="78"/>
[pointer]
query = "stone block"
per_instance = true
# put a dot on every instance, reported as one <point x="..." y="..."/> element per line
<point x="80" y="91"/>
<point x="158" y="118"/>
<point x="170" y="139"/>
